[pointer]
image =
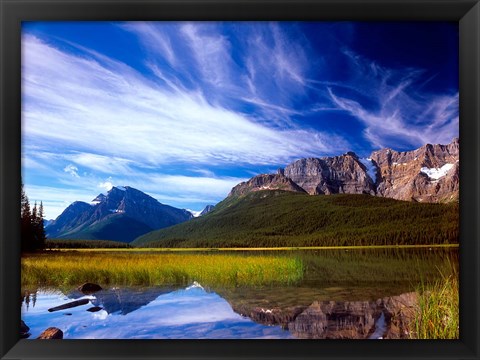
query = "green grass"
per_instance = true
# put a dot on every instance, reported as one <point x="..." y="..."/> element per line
<point x="437" y="316"/>
<point x="286" y="219"/>
<point x="61" y="269"/>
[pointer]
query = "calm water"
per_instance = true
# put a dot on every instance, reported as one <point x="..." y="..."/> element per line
<point x="344" y="294"/>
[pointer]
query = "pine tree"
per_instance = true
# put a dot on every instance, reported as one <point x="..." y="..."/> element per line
<point x="26" y="223"/>
<point x="35" y="224"/>
<point x="32" y="226"/>
<point x="42" y="238"/>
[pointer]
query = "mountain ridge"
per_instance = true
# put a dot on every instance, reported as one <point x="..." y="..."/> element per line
<point x="427" y="174"/>
<point x="272" y="218"/>
<point x="120" y="207"/>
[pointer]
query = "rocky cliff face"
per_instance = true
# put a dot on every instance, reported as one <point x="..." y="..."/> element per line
<point x="266" y="182"/>
<point x="427" y="174"/>
<point x="332" y="175"/>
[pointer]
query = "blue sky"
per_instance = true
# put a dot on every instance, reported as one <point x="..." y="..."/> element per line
<point x="186" y="110"/>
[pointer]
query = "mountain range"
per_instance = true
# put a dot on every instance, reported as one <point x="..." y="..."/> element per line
<point x="122" y="214"/>
<point x="429" y="174"/>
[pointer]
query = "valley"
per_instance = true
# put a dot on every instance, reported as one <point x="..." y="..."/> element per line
<point x="325" y="248"/>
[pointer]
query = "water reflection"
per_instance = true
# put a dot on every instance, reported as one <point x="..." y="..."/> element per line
<point x="190" y="313"/>
<point x="357" y="294"/>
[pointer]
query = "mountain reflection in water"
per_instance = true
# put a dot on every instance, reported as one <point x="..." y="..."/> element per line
<point x="194" y="313"/>
<point x="190" y="313"/>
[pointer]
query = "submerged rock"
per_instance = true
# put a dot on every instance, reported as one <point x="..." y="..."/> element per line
<point x="95" y="309"/>
<point x="89" y="288"/>
<point x="69" y="305"/>
<point x="51" y="333"/>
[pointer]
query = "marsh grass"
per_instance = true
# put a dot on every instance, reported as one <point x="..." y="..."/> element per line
<point x="438" y="309"/>
<point x="121" y="268"/>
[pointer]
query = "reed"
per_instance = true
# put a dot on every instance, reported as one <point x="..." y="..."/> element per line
<point x="121" y="268"/>
<point x="438" y="315"/>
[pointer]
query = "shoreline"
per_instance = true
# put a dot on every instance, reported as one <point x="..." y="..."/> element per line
<point x="293" y="248"/>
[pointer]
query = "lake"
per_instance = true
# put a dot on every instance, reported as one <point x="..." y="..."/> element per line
<point x="357" y="294"/>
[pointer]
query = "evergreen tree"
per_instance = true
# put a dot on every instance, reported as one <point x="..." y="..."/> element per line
<point x="32" y="226"/>
<point x="42" y="238"/>
<point x="26" y="223"/>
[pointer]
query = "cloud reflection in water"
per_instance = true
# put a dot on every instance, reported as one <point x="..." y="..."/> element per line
<point x="190" y="313"/>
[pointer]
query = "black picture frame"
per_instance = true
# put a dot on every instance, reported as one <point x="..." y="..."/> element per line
<point x="465" y="12"/>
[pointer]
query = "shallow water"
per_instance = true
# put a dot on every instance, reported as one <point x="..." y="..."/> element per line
<point x="342" y="295"/>
<point x="190" y="313"/>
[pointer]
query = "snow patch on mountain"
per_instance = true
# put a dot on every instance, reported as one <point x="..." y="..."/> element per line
<point x="194" y="213"/>
<point x="371" y="168"/>
<point x="436" y="173"/>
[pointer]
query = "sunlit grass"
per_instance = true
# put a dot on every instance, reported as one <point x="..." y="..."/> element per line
<point x="438" y="309"/>
<point x="122" y="268"/>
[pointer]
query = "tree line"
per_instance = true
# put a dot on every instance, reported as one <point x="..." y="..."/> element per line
<point x="33" y="236"/>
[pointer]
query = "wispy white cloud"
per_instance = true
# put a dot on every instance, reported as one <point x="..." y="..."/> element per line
<point x="392" y="109"/>
<point x="205" y="101"/>
<point x="72" y="170"/>
<point x="154" y="39"/>
<point x="56" y="199"/>
<point x="84" y="107"/>
<point x="211" y="52"/>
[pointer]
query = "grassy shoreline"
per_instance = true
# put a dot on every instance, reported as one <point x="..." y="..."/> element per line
<point x="437" y="315"/>
<point x="292" y="248"/>
<point x="73" y="268"/>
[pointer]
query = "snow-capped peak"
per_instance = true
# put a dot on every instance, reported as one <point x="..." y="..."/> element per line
<point x="98" y="199"/>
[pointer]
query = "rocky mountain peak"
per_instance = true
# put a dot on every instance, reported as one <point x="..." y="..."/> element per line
<point x="429" y="173"/>
<point x="120" y="201"/>
<point x="331" y="175"/>
<point x="206" y="210"/>
<point x="265" y="182"/>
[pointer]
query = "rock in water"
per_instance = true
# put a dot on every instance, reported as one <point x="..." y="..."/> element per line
<point x="51" y="333"/>
<point x="89" y="288"/>
<point x="95" y="309"/>
<point x="69" y="305"/>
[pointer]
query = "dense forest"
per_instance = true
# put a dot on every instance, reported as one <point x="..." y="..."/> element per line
<point x="83" y="244"/>
<point x="277" y="218"/>
<point x="32" y="228"/>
